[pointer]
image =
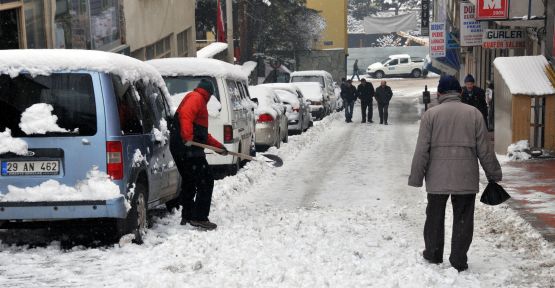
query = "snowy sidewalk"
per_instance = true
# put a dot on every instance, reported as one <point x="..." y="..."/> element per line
<point x="337" y="214"/>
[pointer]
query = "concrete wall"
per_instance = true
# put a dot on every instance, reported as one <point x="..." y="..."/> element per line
<point x="332" y="61"/>
<point x="367" y="56"/>
<point x="148" y="21"/>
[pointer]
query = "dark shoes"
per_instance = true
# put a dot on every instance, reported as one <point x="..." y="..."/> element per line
<point x="386" y="123"/>
<point x="430" y="259"/>
<point x="363" y="122"/>
<point x="183" y="222"/>
<point x="207" y="225"/>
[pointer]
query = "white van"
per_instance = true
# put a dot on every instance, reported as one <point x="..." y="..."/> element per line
<point x="326" y="82"/>
<point x="231" y="117"/>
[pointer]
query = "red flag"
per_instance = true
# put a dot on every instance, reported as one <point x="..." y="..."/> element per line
<point x="220" y="30"/>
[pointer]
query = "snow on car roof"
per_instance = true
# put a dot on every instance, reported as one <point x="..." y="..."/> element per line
<point x="399" y="56"/>
<point x="311" y="90"/>
<point x="191" y="66"/>
<point x="311" y="73"/>
<point x="212" y="50"/>
<point x="525" y="74"/>
<point x="265" y="102"/>
<point x="282" y="86"/>
<point x="48" y="61"/>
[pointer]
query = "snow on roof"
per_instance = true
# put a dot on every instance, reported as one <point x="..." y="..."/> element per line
<point x="212" y="50"/>
<point x="48" y="61"/>
<point x="311" y="90"/>
<point x="399" y="56"/>
<point x="265" y="101"/>
<point x="310" y="73"/>
<point x="525" y="75"/>
<point x="282" y="86"/>
<point x="191" y="66"/>
<point x="249" y="66"/>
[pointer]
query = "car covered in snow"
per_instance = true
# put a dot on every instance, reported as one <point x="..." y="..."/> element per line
<point x="325" y="79"/>
<point x="83" y="135"/>
<point x="271" y="123"/>
<point x="400" y="64"/>
<point x="231" y="112"/>
<point x="298" y="109"/>
<point x="316" y="96"/>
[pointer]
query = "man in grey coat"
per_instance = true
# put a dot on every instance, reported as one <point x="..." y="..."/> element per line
<point x="451" y="140"/>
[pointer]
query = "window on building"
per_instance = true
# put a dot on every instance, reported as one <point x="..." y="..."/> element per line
<point x="160" y="49"/>
<point x="139" y="54"/>
<point x="34" y="24"/>
<point x="182" y="43"/>
<point x="105" y="24"/>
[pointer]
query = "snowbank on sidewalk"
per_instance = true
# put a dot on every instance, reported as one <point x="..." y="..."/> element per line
<point x="38" y="119"/>
<point x="10" y="144"/>
<point x="519" y="151"/>
<point x="97" y="186"/>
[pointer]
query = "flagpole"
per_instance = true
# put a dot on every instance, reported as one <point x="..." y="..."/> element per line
<point x="229" y="18"/>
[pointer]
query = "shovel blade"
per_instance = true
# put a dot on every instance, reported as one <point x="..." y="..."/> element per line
<point x="273" y="160"/>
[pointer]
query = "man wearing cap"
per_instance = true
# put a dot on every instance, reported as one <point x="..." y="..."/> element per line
<point x="191" y="124"/>
<point x="451" y="140"/>
<point x="474" y="96"/>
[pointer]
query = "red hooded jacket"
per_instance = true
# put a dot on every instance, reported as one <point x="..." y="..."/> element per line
<point x="193" y="118"/>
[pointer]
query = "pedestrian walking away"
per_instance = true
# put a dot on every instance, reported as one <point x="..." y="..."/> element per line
<point x="365" y="92"/>
<point x="191" y="124"/>
<point x="349" y="95"/>
<point x="448" y="161"/>
<point x="355" y="71"/>
<point x="474" y="96"/>
<point x="383" y="96"/>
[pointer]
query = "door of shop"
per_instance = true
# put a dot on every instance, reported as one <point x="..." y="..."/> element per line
<point x="10" y="29"/>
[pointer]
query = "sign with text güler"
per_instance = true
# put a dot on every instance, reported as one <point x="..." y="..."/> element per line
<point x="503" y="39"/>
<point x="492" y="9"/>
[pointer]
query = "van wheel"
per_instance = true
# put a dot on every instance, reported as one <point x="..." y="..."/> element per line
<point x="253" y="147"/>
<point x="136" y="222"/>
<point x="416" y="73"/>
<point x="379" y="74"/>
<point x="234" y="168"/>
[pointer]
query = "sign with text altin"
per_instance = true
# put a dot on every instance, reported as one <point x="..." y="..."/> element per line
<point x="492" y="9"/>
<point x="437" y="39"/>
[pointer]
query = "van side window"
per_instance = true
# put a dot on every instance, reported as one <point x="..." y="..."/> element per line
<point x="147" y="113"/>
<point x="233" y="92"/>
<point x="128" y="107"/>
<point x="404" y="60"/>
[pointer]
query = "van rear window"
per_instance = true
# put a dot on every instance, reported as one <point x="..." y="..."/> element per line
<point x="178" y="85"/>
<point x="70" y="94"/>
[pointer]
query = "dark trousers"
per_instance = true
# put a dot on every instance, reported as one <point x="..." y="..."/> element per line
<point x="196" y="187"/>
<point x="463" y="228"/>
<point x="382" y="109"/>
<point x="355" y="73"/>
<point x="349" y="106"/>
<point x="366" y="105"/>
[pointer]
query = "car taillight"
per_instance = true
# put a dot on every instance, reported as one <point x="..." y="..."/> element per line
<point x="265" y="118"/>
<point x="114" y="159"/>
<point x="228" y="134"/>
<point x="296" y="109"/>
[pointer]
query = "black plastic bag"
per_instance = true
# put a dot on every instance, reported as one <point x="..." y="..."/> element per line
<point x="494" y="194"/>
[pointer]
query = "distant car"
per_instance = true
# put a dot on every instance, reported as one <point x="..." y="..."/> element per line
<point x="231" y="112"/>
<point x="325" y="80"/>
<point x="103" y="121"/>
<point x="298" y="109"/>
<point x="316" y="98"/>
<point x="401" y="64"/>
<point x="271" y="125"/>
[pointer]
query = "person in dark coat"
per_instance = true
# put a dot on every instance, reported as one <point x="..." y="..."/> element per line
<point x="191" y="124"/>
<point x="448" y="161"/>
<point x="355" y="71"/>
<point x="474" y="96"/>
<point x="365" y="92"/>
<point x="349" y="96"/>
<point x="383" y="96"/>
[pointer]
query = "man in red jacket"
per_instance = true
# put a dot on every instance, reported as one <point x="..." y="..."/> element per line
<point x="191" y="124"/>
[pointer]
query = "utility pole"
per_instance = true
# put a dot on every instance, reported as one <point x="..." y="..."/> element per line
<point x="229" y="17"/>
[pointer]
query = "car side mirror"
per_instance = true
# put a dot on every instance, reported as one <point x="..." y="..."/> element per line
<point x="255" y="100"/>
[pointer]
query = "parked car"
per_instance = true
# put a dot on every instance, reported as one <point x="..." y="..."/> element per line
<point x="326" y="82"/>
<point x="231" y="118"/>
<point x="271" y="125"/>
<point x="298" y="109"/>
<point x="96" y="136"/>
<point x="401" y="64"/>
<point x="316" y="98"/>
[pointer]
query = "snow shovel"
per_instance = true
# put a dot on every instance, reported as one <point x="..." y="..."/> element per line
<point x="271" y="159"/>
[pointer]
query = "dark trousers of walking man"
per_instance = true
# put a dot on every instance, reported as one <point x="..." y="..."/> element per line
<point x="382" y="110"/>
<point x="366" y="105"/>
<point x="463" y="227"/>
<point x="197" y="180"/>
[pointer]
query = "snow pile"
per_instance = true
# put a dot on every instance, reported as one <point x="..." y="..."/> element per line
<point x="265" y="98"/>
<point x="310" y="73"/>
<point x="48" y="61"/>
<point x="138" y="158"/>
<point x="214" y="107"/>
<point x="212" y="50"/>
<point x="525" y="74"/>
<point x="97" y="186"/>
<point x="38" y="119"/>
<point x="311" y="90"/>
<point x="198" y="67"/>
<point x="286" y="96"/>
<point x="162" y="134"/>
<point x="249" y="66"/>
<point x="519" y="151"/>
<point x="10" y="144"/>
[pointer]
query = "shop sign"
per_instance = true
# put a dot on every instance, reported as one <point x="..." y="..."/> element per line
<point x="492" y="9"/>
<point x="503" y="39"/>
<point x="437" y="39"/>
<point x="471" y="29"/>
<point x="425" y="18"/>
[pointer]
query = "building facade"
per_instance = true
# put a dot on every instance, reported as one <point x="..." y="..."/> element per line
<point x="149" y="28"/>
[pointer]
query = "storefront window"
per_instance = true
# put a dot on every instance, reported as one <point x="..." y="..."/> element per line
<point x="34" y="24"/>
<point x="105" y="24"/>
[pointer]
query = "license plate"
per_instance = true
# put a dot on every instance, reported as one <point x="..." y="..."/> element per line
<point x="22" y="168"/>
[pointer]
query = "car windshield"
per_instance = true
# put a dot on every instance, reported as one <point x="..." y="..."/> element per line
<point x="318" y="79"/>
<point x="182" y="84"/>
<point x="385" y="61"/>
<point x="69" y="94"/>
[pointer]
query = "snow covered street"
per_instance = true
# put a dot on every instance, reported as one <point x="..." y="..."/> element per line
<point x="339" y="213"/>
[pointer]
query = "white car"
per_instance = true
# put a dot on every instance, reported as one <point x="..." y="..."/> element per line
<point x="271" y="123"/>
<point x="325" y="80"/>
<point x="231" y="119"/>
<point x="298" y="109"/>
<point x="400" y="64"/>
<point x="316" y="98"/>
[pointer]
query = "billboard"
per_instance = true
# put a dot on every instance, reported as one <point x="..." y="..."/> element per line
<point x="437" y="39"/>
<point x="492" y="9"/>
<point x="503" y="39"/>
<point x="471" y="30"/>
<point x="425" y="18"/>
